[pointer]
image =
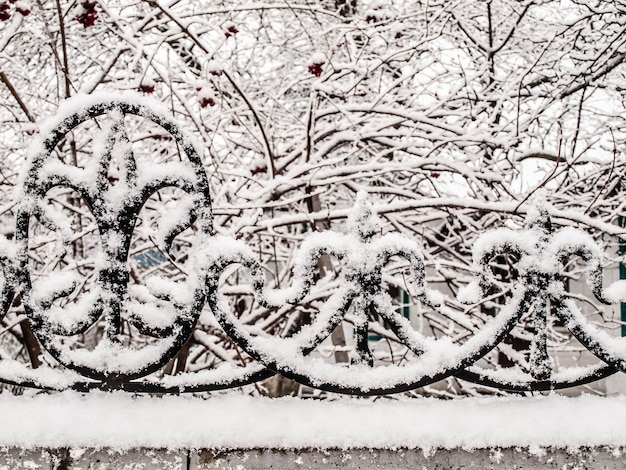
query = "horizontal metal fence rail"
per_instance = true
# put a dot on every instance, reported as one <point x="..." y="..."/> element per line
<point x="539" y="251"/>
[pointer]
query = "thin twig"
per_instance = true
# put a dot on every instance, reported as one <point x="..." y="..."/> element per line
<point x="608" y="177"/>
<point x="546" y="179"/>
<point x="16" y="95"/>
<point x="66" y="69"/>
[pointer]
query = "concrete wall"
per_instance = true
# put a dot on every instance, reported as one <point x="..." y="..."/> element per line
<point x="147" y="459"/>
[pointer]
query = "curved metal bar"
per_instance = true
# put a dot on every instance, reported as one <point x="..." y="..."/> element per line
<point x="9" y="276"/>
<point x="595" y="341"/>
<point x="478" y="377"/>
<point x="115" y="373"/>
<point x="115" y="223"/>
<point x="41" y="323"/>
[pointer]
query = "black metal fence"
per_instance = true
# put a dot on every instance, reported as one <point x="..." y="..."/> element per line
<point x="539" y="254"/>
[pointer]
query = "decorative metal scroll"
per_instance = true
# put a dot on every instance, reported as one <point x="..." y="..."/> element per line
<point x="539" y="252"/>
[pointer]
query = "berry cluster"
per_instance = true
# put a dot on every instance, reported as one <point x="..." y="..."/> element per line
<point x="230" y="29"/>
<point x="21" y="7"/>
<point x="376" y="13"/>
<point x="207" y="98"/>
<point x="315" y="64"/>
<point x="316" y="69"/>
<point x="89" y="14"/>
<point x="147" y="85"/>
<point x="214" y="68"/>
<point x="146" y="88"/>
<point x="258" y="169"/>
<point x="4" y="12"/>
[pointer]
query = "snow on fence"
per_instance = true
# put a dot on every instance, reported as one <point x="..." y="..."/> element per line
<point x="168" y="311"/>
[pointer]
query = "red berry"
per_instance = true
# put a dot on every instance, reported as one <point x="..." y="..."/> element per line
<point x="316" y="69"/>
<point x="22" y="8"/>
<point x="259" y="169"/>
<point x="435" y="175"/>
<point x="214" y="68"/>
<point x="89" y="15"/>
<point x="375" y="13"/>
<point x="207" y="101"/>
<point x="146" y="88"/>
<point x="206" y="96"/>
<point x="230" y="29"/>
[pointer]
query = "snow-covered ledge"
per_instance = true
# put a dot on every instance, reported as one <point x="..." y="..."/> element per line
<point x="190" y="432"/>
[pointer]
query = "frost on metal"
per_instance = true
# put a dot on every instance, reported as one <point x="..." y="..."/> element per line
<point x="115" y="189"/>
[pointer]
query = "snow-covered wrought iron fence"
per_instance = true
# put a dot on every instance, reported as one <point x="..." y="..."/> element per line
<point x="115" y="189"/>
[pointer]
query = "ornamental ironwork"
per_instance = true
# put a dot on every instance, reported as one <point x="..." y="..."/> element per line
<point x="538" y="252"/>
